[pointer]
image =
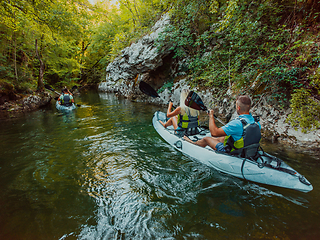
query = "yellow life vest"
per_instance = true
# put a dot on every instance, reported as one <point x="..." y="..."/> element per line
<point x="251" y="135"/>
<point x="186" y="121"/>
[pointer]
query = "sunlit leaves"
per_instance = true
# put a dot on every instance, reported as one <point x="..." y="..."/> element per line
<point x="252" y="46"/>
<point x="214" y="6"/>
<point x="305" y="110"/>
<point x="228" y="15"/>
<point x="76" y="39"/>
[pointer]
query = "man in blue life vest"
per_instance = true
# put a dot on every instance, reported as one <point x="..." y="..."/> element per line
<point x="242" y="131"/>
<point x="65" y="98"/>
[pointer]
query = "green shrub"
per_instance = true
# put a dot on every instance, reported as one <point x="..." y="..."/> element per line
<point x="305" y="111"/>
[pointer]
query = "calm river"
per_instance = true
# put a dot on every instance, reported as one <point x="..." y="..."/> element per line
<point x="103" y="172"/>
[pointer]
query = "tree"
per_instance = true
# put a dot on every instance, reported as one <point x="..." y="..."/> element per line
<point x="41" y="69"/>
<point x="76" y="40"/>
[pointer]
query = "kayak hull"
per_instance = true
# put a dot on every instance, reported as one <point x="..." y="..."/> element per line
<point x="266" y="170"/>
<point x="63" y="108"/>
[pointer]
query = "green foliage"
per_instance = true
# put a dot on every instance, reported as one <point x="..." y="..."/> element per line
<point x="252" y="46"/>
<point x="305" y="110"/>
<point x="76" y="40"/>
<point x="167" y="85"/>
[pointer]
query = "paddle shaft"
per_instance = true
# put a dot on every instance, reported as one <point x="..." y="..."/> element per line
<point x="219" y="120"/>
<point x="194" y="101"/>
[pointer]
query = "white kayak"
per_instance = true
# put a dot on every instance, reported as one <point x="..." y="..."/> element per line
<point x="267" y="169"/>
<point x="63" y="108"/>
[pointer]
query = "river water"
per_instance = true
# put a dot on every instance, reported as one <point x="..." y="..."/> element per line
<point x="102" y="172"/>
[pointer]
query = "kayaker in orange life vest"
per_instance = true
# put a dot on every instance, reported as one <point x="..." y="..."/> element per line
<point x="65" y="98"/>
<point x="243" y="130"/>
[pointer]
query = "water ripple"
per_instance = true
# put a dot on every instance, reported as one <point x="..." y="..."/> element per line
<point x="102" y="172"/>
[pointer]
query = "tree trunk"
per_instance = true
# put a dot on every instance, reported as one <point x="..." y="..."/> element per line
<point x="41" y="70"/>
<point x="15" y="57"/>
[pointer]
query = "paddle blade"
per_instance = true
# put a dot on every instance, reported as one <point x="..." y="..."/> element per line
<point x="147" y="89"/>
<point x="194" y="101"/>
<point x="48" y="87"/>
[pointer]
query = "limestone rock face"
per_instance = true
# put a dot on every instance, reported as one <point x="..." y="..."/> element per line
<point x="140" y="61"/>
<point x="35" y="101"/>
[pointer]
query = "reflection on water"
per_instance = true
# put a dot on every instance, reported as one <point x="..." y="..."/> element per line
<point x="102" y="172"/>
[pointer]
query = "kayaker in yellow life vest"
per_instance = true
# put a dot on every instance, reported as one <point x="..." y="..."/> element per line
<point x="182" y="116"/>
<point x="238" y="133"/>
<point x="65" y="98"/>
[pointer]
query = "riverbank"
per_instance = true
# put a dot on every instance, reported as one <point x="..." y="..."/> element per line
<point x="14" y="105"/>
<point x="143" y="61"/>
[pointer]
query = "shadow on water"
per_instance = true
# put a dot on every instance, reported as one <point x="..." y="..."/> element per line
<point x="102" y="172"/>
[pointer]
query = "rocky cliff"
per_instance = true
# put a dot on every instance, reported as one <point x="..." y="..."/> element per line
<point x="143" y="61"/>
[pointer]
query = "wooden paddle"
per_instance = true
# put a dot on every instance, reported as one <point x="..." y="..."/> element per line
<point x="194" y="101"/>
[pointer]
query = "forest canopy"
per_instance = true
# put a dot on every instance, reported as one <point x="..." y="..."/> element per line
<point x="267" y="48"/>
<point x="75" y="39"/>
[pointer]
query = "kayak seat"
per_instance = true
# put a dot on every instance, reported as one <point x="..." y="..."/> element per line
<point x="249" y="152"/>
<point x="180" y="132"/>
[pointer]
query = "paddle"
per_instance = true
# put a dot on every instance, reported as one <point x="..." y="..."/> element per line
<point x="51" y="89"/>
<point x="194" y="101"/>
<point x="147" y="89"/>
<point x="74" y="88"/>
<point x="56" y="98"/>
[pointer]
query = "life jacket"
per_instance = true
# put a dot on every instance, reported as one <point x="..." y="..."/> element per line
<point x="66" y="100"/>
<point x="187" y="121"/>
<point x="251" y="136"/>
